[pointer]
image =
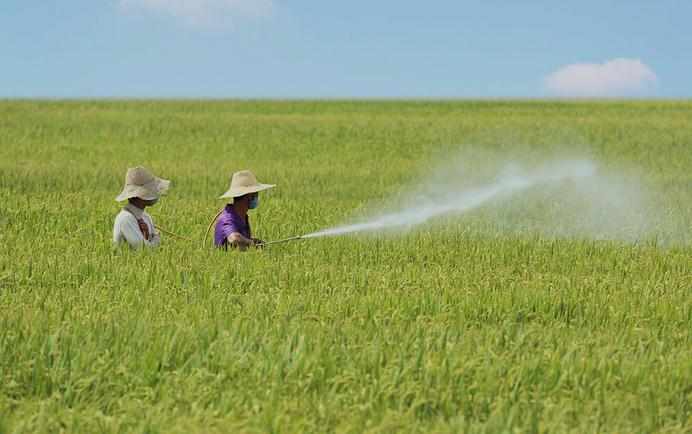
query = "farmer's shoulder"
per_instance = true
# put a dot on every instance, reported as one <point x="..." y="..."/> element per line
<point x="227" y="217"/>
<point x="124" y="216"/>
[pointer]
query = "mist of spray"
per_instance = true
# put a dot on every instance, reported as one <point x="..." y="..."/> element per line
<point x="511" y="181"/>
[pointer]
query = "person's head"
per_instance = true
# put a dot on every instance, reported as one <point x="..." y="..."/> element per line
<point x="142" y="203"/>
<point x="142" y="188"/>
<point x="244" y="189"/>
<point x="249" y="201"/>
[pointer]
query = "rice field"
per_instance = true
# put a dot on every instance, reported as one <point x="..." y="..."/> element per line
<point x="462" y="325"/>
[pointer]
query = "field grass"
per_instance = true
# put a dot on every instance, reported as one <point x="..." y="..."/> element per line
<point x="456" y="327"/>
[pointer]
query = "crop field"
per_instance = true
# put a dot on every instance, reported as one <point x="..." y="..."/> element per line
<point x="481" y="322"/>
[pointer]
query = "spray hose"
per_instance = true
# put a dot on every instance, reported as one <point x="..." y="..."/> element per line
<point x="299" y="237"/>
<point x="211" y="223"/>
<point x="172" y="234"/>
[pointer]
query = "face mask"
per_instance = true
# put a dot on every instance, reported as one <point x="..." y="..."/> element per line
<point x="254" y="202"/>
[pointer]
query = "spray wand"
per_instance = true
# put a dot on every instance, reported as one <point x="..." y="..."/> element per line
<point x="299" y="237"/>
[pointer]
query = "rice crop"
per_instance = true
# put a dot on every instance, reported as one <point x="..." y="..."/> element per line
<point x="517" y="316"/>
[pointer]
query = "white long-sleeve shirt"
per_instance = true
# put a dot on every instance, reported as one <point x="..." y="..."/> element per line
<point x="126" y="228"/>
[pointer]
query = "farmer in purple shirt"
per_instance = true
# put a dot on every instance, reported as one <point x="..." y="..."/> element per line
<point x="233" y="226"/>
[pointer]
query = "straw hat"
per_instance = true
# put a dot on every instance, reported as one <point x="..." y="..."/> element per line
<point x="139" y="182"/>
<point x="242" y="183"/>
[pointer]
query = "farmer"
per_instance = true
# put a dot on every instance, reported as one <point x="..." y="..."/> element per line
<point x="133" y="225"/>
<point x="233" y="225"/>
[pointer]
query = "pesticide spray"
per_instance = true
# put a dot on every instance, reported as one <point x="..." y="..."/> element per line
<point x="511" y="181"/>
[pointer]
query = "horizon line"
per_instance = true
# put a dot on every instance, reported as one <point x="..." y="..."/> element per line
<point x="342" y="99"/>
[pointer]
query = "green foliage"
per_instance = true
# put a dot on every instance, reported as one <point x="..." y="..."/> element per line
<point x="455" y="327"/>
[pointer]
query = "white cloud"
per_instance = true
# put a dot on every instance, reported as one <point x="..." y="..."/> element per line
<point x="203" y="12"/>
<point x="617" y="77"/>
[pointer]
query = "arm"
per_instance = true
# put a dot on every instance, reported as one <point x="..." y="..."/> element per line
<point x="236" y="239"/>
<point x="155" y="239"/>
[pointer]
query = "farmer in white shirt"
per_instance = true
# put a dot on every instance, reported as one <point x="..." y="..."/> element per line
<point x="133" y="225"/>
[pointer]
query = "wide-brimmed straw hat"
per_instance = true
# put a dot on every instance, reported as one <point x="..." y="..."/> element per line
<point x="139" y="182"/>
<point x="242" y="183"/>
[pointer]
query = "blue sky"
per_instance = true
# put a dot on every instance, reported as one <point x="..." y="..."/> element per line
<point x="316" y="49"/>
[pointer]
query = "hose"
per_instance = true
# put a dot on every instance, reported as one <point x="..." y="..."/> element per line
<point x="172" y="234"/>
<point x="206" y="234"/>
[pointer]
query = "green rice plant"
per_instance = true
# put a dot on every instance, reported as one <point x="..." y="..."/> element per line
<point x="475" y="323"/>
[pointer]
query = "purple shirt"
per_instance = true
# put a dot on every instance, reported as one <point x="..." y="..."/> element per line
<point x="228" y="222"/>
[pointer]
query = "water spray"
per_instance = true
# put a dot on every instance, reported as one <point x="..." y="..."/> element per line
<point x="461" y="201"/>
